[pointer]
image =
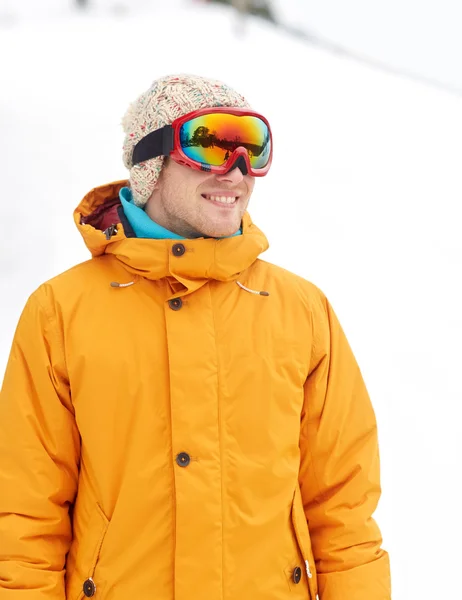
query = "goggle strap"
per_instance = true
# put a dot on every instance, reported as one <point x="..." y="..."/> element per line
<point x="157" y="143"/>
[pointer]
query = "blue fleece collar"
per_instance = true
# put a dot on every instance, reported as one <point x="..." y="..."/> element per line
<point x="142" y="224"/>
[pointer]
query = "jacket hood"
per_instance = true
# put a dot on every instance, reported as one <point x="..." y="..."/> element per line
<point x="100" y="220"/>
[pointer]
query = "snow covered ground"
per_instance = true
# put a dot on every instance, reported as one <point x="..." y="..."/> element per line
<point x="363" y="199"/>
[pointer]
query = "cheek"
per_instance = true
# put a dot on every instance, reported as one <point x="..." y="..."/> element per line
<point x="173" y="192"/>
<point x="181" y="200"/>
<point x="250" y="184"/>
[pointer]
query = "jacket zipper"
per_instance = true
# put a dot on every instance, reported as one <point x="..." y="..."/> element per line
<point x="110" y="231"/>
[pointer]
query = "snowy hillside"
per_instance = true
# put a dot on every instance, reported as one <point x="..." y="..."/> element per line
<point x="422" y="38"/>
<point x="363" y="199"/>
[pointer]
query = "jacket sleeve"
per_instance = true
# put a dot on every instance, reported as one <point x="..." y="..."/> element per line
<point x="340" y="471"/>
<point x="39" y="450"/>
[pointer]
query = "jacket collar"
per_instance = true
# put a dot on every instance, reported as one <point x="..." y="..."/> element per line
<point x="97" y="219"/>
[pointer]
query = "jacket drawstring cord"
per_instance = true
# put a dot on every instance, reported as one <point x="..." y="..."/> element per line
<point x="262" y="293"/>
<point x="116" y="284"/>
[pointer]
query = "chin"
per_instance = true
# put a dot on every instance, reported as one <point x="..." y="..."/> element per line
<point x="222" y="233"/>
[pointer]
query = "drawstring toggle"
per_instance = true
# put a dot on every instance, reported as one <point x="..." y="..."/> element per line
<point x="258" y="293"/>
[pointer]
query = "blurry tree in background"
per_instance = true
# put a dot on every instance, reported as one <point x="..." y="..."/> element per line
<point x="260" y="8"/>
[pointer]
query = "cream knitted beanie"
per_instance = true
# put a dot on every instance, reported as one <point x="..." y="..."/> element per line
<point x="167" y="98"/>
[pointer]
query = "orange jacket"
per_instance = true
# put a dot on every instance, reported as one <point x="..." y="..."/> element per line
<point x="182" y="438"/>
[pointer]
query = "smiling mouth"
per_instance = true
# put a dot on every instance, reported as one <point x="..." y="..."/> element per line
<point x="226" y="200"/>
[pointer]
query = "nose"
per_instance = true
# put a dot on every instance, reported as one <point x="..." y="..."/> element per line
<point x="235" y="176"/>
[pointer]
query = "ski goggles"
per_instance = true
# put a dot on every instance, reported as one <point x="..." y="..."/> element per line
<point x="215" y="140"/>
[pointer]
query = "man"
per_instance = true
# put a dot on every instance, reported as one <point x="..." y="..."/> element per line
<point x="179" y="419"/>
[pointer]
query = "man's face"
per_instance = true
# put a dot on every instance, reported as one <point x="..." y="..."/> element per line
<point x="196" y="204"/>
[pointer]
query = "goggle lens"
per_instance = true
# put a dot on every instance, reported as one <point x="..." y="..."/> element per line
<point x="212" y="138"/>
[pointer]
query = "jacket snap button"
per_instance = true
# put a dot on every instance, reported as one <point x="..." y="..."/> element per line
<point x="89" y="588"/>
<point x="297" y="575"/>
<point x="183" y="459"/>
<point x="178" y="250"/>
<point x="175" y="303"/>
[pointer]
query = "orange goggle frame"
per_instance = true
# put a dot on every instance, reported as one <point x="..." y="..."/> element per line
<point x="215" y="140"/>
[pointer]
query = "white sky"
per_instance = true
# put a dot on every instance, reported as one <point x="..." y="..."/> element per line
<point x="363" y="199"/>
<point x="422" y="37"/>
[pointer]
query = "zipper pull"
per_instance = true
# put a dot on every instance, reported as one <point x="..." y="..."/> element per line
<point x="110" y="231"/>
<point x="308" y="570"/>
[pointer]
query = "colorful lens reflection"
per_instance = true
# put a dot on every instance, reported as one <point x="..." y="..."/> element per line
<point x="212" y="138"/>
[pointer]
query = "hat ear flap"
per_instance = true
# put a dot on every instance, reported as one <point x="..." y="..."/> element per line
<point x="143" y="179"/>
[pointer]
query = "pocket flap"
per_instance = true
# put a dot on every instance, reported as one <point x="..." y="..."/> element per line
<point x="90" y="538"/>
<point x="101" y="524"/>
<point x="304" y="541"/>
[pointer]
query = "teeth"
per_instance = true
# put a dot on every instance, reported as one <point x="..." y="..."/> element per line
<point x="222" y="199"/>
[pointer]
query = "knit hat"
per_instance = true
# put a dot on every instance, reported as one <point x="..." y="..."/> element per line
<point x="167" y="99"/>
